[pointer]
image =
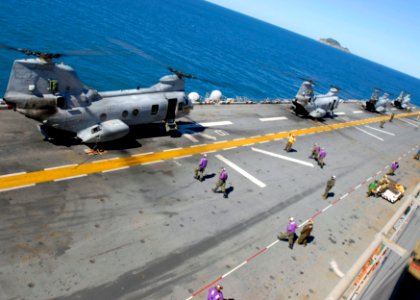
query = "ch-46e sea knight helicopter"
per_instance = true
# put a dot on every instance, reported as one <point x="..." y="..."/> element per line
<point x="376" y="103"/>
<point x="52" y="94"/>
<point x="306" y="103"/>
<point x="402" y="101"/>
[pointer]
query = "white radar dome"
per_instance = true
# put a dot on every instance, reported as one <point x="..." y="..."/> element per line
<point x="216" y="95"/>
<point x="193" y="96"/>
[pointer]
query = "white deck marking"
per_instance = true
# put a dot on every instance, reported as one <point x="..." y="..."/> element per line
<point x="364" y="131"/>
<point x="335" y="268"/>
<point x="249" y="144"/>
<point x="327" y="207"/>
<point x="172" y="149"/>
<point x="357" y="186"/>
<point x="212" y="151"/>
<point x="379" y="172"/>
<point x="344" y="196"/>
<point x="358" y="111"/>
<point x="272" y="119"/>
<point x="12" y="174"/>
<point x="339" y="113"/>
<point x="180" y="157"/>
<point x="241" y="171"/>
<point x="102" y="160"/>
<point x="230" y="148"/>
<point x="393" y="109"/>
<point x="141" y="154"/>
<point x="272" y="244"/>
<point x="207" y="136"/>
<point x="383" y="131"/>
<point x="408" y="122"/>
<point x="17" y="187"/>
<point x="284" y="157"/>
<point x="63" y="166"/>
<point x="233" y="270"/>
<point x="177" y="163"/>
<point x="218" y="142"/>
<point x="197" y="145"/>
<point x="152" y="162"/>
<point x="71" y="177"/>
<point x="190" y="137"/>
<point x="220" y="123"/>
<point x="117" y="169"/>
<point x="263" y="142"/>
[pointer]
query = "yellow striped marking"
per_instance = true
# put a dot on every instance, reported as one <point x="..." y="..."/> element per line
<point x="25" y="179"/>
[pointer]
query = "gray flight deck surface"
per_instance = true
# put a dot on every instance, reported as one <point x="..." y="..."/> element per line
<point x="151" y="231"/>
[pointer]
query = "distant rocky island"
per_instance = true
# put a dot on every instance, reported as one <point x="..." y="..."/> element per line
<point x="333" y="43"/>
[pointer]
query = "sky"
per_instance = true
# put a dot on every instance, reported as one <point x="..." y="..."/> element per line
<point x="383" y="31"/>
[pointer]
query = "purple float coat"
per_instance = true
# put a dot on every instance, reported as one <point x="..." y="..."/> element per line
<point x="322" y="153"/>
<point x="291" y="228"/>
<point x="214" y="294"/>
<point x="203" y="163"/>
<point x="223" y="175"/>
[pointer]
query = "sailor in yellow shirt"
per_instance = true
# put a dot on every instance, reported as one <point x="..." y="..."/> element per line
<point x="290" y="142"/>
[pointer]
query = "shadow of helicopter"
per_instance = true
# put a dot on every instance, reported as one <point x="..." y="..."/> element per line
<point x="130" y="141"/>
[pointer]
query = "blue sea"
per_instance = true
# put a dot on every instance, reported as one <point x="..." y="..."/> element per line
<point x="239" y="55"/>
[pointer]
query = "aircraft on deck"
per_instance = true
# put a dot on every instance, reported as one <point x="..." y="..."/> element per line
<point x="402" y="101"/>
<point x="376" y="103"/>
<point x="306" y="103"/>
<point x="52" y="94"/>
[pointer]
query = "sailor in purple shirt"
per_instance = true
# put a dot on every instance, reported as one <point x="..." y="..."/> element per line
<point x="321" y="156"/>
<point x="291" y="229"/>
<point x="223" y="176"/>
<point x="199" y="171"/>
<point x="215" y="293"/>
<point x="394" y="166"/>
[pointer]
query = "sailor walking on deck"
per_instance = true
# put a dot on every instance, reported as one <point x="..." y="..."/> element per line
<point x="221" y="182"/>
<point x="330" y="185"/>
<point x="306" y="232"/>
<point x="290" y="142"/>
<point x="394" y="166"/>
<point x="315" y="151"/>
<point x="321" y="156"/>
<point x="291" y="231"/>
<point x="199" y="171"/>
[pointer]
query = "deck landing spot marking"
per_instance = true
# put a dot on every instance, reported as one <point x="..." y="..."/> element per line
<point x="379" y="130"/>
<point x="408" y="122"/>
<point x="207" y="136"/>
<point x="272" y="119"/>
<point x="368" y="133"/>
<point x="241" y="171"/>
<point x="220" y="123"/>
<point x="283" y="157"/>
<point x="190" y="137"/>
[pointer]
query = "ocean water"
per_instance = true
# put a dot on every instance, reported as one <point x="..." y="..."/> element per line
<point x="241" y="56"/>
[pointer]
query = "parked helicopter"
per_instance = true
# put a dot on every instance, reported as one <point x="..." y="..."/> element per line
<point x="306" y="103"/>
<point x="376" y="103"/>
<point x="402" y="101"/>
<point x="52" y="94"/>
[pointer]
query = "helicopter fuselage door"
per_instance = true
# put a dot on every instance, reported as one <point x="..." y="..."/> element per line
<point x="171" y="111"/>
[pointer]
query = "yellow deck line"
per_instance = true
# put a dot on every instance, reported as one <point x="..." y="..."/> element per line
<point x="24" y="179"/>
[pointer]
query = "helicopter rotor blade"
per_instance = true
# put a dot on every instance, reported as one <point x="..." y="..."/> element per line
<point x="136" y="50"/>
<point x="29" y="52"/>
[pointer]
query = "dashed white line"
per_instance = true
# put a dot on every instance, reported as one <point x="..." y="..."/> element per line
<point x="284" y="157"/>
<point x="379" y="172"/>
<point x="180" y="157"/>
<point x="358" y="111"/>
<point x="249" y="144"/>
<point x="220" y="123"/>
<point x="357" y="186"/>
<point x="230" y="148"/>
<point x="116" y="169"/>
<point x="71" y="177"/>
<point x="172" y="149"/>
<point x="63" y="166"/>
<point x="212" y="151"/>
<point x="152" y="162"/>
<point x="197" y="145"/>
<point x="141" y="154"/>
<point x="218" y="142"/>
<point x="263" y="142"/>
<point x="102" y="160"/>
<point x="12" y="174"/>
<point x="17" y="187"/>
<point x="369" y="178"/>
<point x="272" y="119"/>
<point x="241" y="171"/>
<point x="234" y="269"/>
<point x="344" y="196"/>
<point x="379" y="130"/>
<point x="325" y="208"/>
<point x="368" y="133"/>
<point x="339" y="113"/>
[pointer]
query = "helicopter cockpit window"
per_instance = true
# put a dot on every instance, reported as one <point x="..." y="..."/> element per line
<point x="135" y="112"/>
<point x="155" y="109"/>
<point x="53" y="85"/>
<point x="96" y="129"/>
<point x="102" y="117"/>
<point x="124" y="114"/>
<point x="180" y="105"/>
